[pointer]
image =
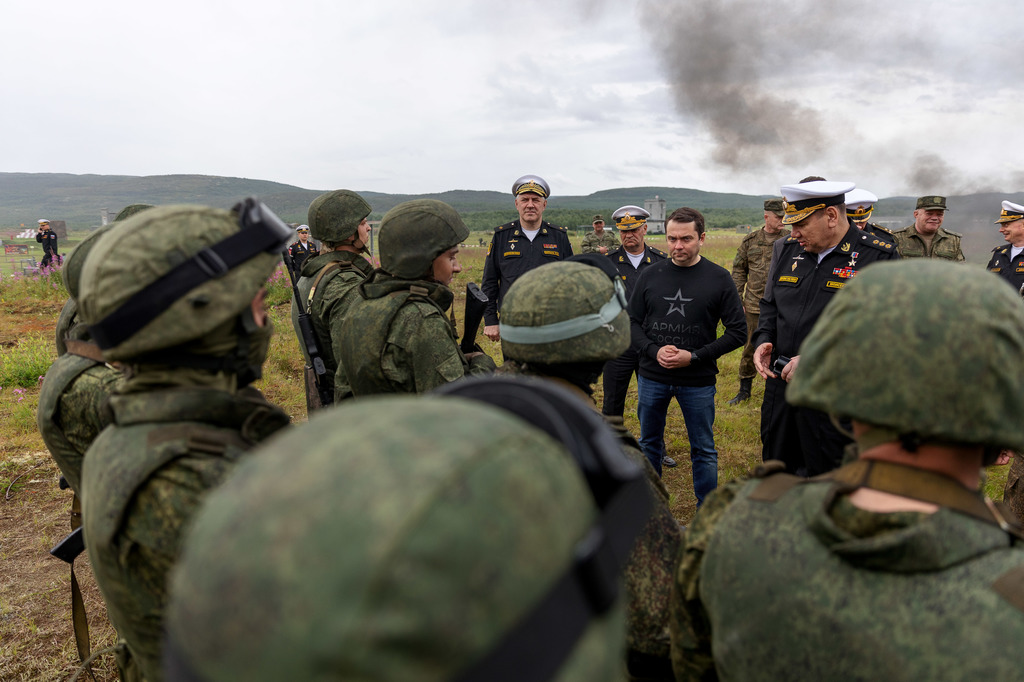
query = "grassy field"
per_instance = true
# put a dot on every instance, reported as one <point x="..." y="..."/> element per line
<point x="36" y="641"/>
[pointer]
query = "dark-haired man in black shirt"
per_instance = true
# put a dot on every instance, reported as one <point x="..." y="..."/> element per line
<point x="674" y="311"/>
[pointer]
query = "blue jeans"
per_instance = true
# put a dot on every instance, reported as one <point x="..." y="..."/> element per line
<point x="698" y="406"/>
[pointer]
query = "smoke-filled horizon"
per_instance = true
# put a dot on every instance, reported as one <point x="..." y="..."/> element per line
<point x="814" y="86"/>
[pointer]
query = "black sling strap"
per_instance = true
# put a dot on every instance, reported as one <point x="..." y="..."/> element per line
<point x="537" y="647"/>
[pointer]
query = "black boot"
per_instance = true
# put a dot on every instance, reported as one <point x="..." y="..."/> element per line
<point x="744" y="394"/>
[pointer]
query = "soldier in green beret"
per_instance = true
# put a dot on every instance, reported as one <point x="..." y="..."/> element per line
<point x="872" y="571"/>
<point x="563" y="322"/>
<point x="926" y="237"/>
<point x="181" y="308"/>
<point x="397" y="338"/>
<point x="338" y="219"/>
<point x="750" y="273"/>
<point x="453" y="540"/>
<point x="599" y="241"/>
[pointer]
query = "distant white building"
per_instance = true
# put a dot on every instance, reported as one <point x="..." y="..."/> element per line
<point x="656" y="207"/>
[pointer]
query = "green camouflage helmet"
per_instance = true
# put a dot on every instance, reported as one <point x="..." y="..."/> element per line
<point x="130" y="210"/>
<point x="408" y="558"/>
<point x="335" y="216"/>
<point x="127" y="267"/>
<point x="414" y="233"/>
<point x="920" y="347"/>
<point x="71" y="273"/>
<point x="564" y="312"/>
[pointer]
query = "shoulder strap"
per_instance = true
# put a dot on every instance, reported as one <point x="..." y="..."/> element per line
<point x="926" y="486"/>
<point x="1010" y="586"/>
<point x="334" y="266"/>
<point x="775" y="482"/>
<point x="84" y="349"/>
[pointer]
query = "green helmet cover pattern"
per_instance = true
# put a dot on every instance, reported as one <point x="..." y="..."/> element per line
<point x="414" y="233"/>
<point x="140" y="250"/>
<point x="335" y="216"/>
<point x="923" y="347"/>
<point x="581" y="310"/>
<point x="71" y="272"/>
<point x="130" y="210"/>
<point x="407" y="558"/>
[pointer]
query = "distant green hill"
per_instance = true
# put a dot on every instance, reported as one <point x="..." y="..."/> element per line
<point x="80" y="199"/>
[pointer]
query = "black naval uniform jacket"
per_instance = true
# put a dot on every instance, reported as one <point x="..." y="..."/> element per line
<point x="627" y="272"/>
<point x="1011" y="270"/>
<point x="799" y="287"/>
<point x="880" y="232"/>
<point x="299" y="255"/>
<point x="49" y="241"/>
<point x="512" y="254"/>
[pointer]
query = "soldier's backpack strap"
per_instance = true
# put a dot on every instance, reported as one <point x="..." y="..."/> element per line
<point x="334" y="267"/>
<point x="85" y="349"/>
<point x="926" y="486"/>
<point x="1010" y="586"/>
<point x="68" y="550"/>
<point x="775" y="482"/>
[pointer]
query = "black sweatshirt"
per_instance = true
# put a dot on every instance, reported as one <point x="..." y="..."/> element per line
<point x="673" y="305"/>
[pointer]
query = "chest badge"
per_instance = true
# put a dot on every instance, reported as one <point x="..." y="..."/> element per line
<point x="853" y="260"/>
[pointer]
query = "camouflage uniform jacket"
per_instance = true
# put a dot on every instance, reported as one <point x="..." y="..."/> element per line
<point x="145" y="476"/>
<point x="398" y="340"/>
<point x="511" y="254"/>
<point x="1010" y="269"/>
<point x="329" y="306"/>
<point x="945" y="244"/>
<point x="750" y="266"/>
<point x="592" y="242"/>
<point x="792" y="581"/>
<point x="71" y="413"/>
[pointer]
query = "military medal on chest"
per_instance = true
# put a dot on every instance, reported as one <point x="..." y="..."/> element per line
<point x="850" y="269"/>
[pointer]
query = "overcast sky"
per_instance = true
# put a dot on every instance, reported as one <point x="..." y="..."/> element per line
<point x="405" y="96"/>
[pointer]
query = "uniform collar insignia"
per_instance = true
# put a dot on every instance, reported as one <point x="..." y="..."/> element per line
<point x="845" y="248"/>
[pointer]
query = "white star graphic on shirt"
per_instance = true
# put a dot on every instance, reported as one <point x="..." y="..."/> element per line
<point x="672" y="307"/>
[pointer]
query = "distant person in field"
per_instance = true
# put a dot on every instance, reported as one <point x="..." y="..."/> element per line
<point x="48" y="238"/>
<point x="599" y="240"/>
<point x="301" y="249"/>
<point x="519" y="246"/>
<point x="674" y="310"/>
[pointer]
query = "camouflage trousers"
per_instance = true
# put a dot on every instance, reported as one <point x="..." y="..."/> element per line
<point x="747" y="370"/>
